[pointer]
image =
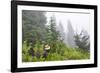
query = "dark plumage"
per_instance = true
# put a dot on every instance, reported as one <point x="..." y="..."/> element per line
<point x="45" y="53"/>
<point x="31" y="52"/>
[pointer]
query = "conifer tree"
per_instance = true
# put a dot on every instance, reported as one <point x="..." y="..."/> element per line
<point x="82" y="40"/>
<point x="70" y="35"/>
<point x="53" y="33"/>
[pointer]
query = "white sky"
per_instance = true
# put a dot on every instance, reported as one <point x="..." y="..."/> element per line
<point x="78" y="21"/>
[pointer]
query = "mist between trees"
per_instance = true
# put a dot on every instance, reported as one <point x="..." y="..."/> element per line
<point x="42" y="42"/>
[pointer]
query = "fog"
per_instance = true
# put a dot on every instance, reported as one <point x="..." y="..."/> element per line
<point x="78" y="21"/>
<point x="68" y="24"/>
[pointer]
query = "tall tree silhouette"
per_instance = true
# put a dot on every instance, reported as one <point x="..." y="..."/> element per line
<point x="33" y="25"/>
<point x="53" y="33"/>
<point x="60" y="29"/>
<point x="70" y="35"/>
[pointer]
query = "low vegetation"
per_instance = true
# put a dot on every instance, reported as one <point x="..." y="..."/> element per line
<point x="62" y="53"/>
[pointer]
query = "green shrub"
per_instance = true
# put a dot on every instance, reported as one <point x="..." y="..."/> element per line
<point x="62" y="52"/>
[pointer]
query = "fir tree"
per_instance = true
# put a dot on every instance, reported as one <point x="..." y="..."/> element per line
<point x="82" y="40"/>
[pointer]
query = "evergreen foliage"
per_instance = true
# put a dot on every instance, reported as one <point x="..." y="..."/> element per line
<point x="36" y="34"/>
<point x="82" y="40"/>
